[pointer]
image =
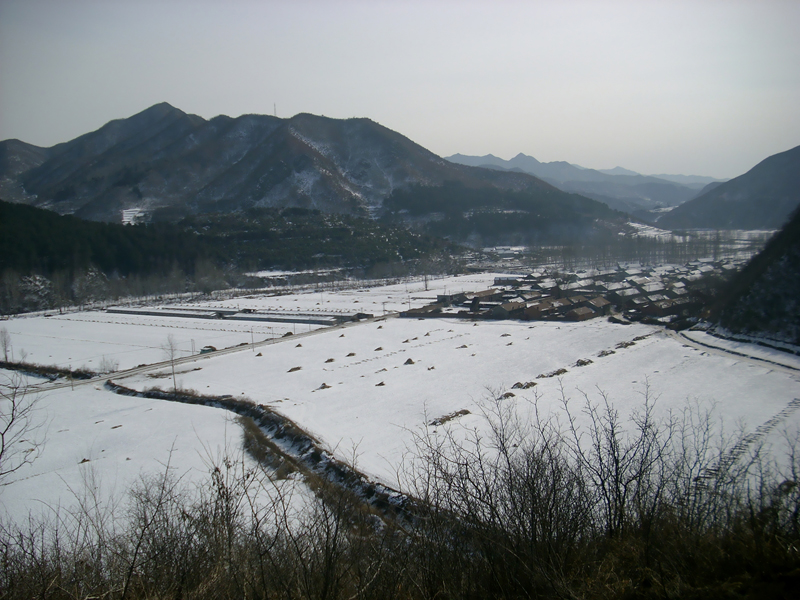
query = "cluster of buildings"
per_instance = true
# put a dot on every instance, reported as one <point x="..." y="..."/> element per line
<point x="638" y="292"/>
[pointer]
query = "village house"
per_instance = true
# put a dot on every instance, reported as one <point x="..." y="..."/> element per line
<point x="624" y="296"/>
<point x="582" y="313"/>
<point x="507" y="280"/>
<point x="579" y="300"/>
<point x="509" y="310"/>
<point x="665" y="308"/>
<point x="600" y="305"/>
<point x="450" y="299"/>
<point x="657" y="292"/>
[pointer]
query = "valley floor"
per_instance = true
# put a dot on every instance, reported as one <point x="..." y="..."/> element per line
<point x="365" y="390"/>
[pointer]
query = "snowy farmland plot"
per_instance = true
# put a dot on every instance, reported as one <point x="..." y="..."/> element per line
<point x="93" y="440"/>
<point x="85" y="339"/>
<point x="366" y="390"/>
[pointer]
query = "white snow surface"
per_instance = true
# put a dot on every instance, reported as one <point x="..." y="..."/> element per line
<point x="93" y="440"/>
<point x="642" y="230"/>
<point x="769" y="354"/>
<point x="457" y="365"/>
<point x="82" y="339"/>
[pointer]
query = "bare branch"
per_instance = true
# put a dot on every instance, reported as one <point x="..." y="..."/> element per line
<point x="21" y="438"/>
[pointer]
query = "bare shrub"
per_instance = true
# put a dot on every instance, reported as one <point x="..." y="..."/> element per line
<point x="21" y="425"/>
<point x="170" y="350"/>
<point x="584" y="503"/>
<point x="108" y="365"/>
<point x="600" y="505"/>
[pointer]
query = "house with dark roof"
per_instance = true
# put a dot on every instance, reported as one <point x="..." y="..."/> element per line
<point x="600" y="305"/>
<point x="508" y="310"/>
<point x="582" y="313"/>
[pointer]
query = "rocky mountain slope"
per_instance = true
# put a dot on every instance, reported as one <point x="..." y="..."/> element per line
<point x="619" y="188"/>
<point x="169" y="164"/>
<point x="762" y="198"/>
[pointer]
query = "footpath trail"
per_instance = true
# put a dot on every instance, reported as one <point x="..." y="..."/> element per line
<point x="760" y="433"/>
<point x="712" y="349"/>
<point x="118" y="375"/>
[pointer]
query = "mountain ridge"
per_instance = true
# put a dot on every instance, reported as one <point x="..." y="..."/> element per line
<point x="762" y="198"/>
<point x="619" y="188"/>
<point x="169" y="163"/>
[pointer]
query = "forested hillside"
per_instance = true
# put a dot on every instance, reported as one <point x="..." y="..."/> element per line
<point x="489" y="216"/>
<point x="50" y="260"/>
<point x="764" y="299"/>
<point x="762" y="198"/>
<point x="39" y="241"/>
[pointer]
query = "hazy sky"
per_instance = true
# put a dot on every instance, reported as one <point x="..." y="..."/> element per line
<point x="700" y="87"/>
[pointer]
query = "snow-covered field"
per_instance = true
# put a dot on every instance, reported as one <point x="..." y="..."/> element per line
<point x="83" y="339"/>
<point x="92" y="440"/>
<point x="365" y="389"/>
<point x="355" y="391"/>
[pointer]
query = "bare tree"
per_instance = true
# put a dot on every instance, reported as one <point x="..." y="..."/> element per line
<point x="5" y="343"/>
<point x="20" y="442"/>
<point x="170" y="349"/>
<point x="624" y="463"/>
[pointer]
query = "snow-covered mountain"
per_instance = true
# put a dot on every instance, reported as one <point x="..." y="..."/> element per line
<point x="170" y="163"/>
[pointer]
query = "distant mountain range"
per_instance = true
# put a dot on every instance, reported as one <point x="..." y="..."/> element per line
<point x="170" y="164"/>
<point x="621" y="189"/>
<point x="762" y="198"/>
<point x="163" y="164"/>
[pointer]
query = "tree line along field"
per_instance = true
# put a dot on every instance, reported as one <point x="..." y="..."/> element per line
<point x="48" y="261"/>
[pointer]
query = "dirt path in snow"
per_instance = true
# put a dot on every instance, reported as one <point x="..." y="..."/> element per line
<point x="711" y="349"/>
